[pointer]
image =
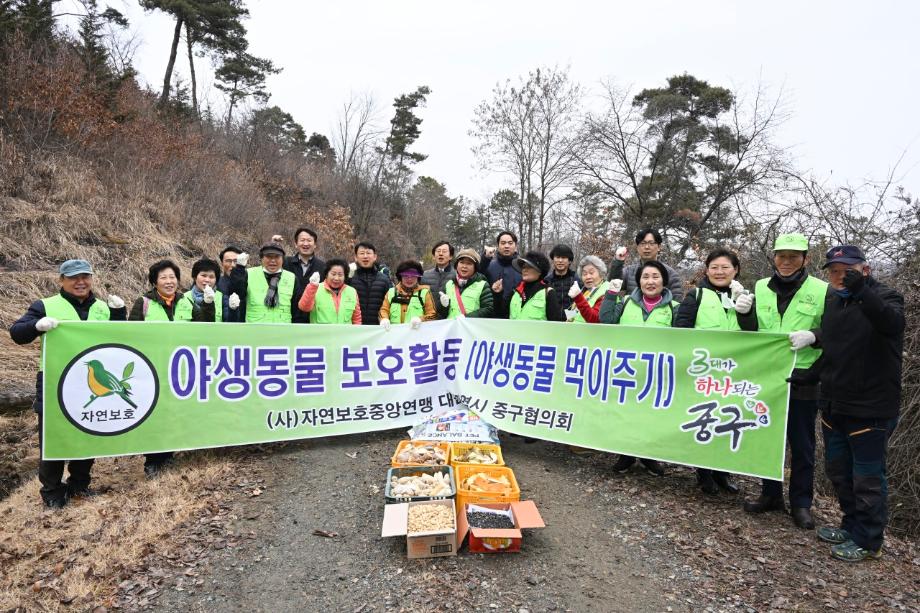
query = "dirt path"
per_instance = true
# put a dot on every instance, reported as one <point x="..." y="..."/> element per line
<point x="576" y="563"/>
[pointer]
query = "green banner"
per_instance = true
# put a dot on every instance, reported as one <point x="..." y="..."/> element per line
<point x="701" y="398"/>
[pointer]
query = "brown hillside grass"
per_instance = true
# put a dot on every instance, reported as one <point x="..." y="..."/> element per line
<point x="74" y="558"/>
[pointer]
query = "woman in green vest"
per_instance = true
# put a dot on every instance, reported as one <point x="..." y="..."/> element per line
<point x="409" y="301"/>
<point x="202" y="297"/>
<point x="533" y="299"/>
<point x="651" y="304"/>
<point x="718" y="303"/>
<point x="332" y="302"/>
<point x="469" y="294"/>
<point x="166" y="303"/>
<point x="587" y="300"/>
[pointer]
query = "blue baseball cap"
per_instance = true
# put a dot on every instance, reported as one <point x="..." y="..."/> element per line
<point x="72" y="268"/>
<point x="844" y="254"/>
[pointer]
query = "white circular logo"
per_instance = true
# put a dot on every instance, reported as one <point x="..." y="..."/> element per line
<point x="108" y="389"/>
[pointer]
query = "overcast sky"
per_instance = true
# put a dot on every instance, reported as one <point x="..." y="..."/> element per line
<point x="848" y="71"/>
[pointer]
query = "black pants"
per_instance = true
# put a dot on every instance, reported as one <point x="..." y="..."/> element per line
<point x="51" y="473"/>
<point x="157" y="459"/>
<point x="800" y="432"/>
<point x="854" y="454"/>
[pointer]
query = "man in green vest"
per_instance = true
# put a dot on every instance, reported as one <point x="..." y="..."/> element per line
<point x="266" y="290"/>
<point x="792" y="301"/>
<point x="74" y="302"/>
<point x="469" y="294"/>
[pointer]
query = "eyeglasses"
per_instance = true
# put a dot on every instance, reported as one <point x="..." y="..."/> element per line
<point x="647" y="244"/>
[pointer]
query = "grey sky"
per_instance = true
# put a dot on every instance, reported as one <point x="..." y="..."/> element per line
<point x="848" y="69"/>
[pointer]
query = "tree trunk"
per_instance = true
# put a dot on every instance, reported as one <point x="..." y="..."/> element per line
<point x="191" y="68"/>
<point x="164" y="96"/>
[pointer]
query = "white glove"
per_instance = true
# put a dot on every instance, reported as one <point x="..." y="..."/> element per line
<point x="415" y="322"/>
<point x="242" y="259"/>
<point x="233" y="301"/>
<point x="445" y="299"/>
<point x="801" y="339"/>
<point x="615" y="286"/>
<point x="620" y="254"/>
<point x="46" y="323"/>
<point x="115" y="302"/>
<point x="574" y="290"/>
<point x="736" y="289"/>
<point x="351" y="269"/>
<point x="314" y="278"/>
<point x="385" y="324"/>
<point x="208" y="292"/>
<point x="743" y="303"/>
<point x="571" y="314"/>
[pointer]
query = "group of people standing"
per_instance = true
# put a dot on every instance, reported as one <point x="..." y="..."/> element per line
<point x="848" y="333"/>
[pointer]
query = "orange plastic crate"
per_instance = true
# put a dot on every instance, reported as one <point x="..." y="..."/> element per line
<point x="464" y="496"/>
<point x="458" y="448"/>
<point x="439" y="444"/>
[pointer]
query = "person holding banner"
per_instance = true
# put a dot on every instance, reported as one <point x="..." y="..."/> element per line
<point x="333" y="302"/>
<point x="469" y="294"/>
<point x="587" y="300"/>
<point x="408" y="300"/>
<point x="166" y="303"/>
<point x="650" y="304"/>
<point x="718" y="303"/>
<point x="792" y="301"/>
<point x="533" y="299"/>
<point x="862" y="335"/>
<point x="74" y="302"/>
<point x="266" y="290"/>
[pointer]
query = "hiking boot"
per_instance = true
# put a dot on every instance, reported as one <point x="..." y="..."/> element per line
<point x="763" y="504"/>
<point x="832" y="535"/>
<point x="802" y="518"/>
<point x="654" y="467"/>
<point x="851" y="552"/>
<point x="725" y="481"/>
<point x="83" y="491"/>
<point x="707" y="483"/>
<point x="56" y="503"/>
<point x="623" y="463"/>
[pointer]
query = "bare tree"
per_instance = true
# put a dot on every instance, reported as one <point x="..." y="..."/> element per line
<point x="356" y="131"/>
<point x="681" y="168"/>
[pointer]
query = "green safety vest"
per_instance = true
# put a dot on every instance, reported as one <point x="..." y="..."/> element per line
<point x="324" y="308"/>
<point x="257" y="288"/>
<point x="470" y="301"/>
<point x="154" y="311"/>
<point x="660" y="317"/>
<point x="534" y="309"/>
<point x="57" y="307"/>
<point x="803" y="313"/>
<point x="415" y="308"/>
<point x="596" y="295"/>
<point x="185" y="314"/>
<point x="712" y="315"/>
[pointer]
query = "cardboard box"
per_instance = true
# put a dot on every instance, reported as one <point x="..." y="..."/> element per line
<point x="435" y="544"/>
<point x="506" y="540"/>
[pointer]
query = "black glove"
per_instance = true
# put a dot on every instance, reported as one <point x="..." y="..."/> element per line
<point x="854" y="280"/>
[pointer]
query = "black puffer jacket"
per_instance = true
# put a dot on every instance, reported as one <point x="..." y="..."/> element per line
<point x="371" y="285"/>
<point x="863" y="338"/>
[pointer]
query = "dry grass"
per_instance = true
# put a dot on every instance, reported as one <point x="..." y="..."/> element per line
<point x="19" y="456"/>
<point x="76" y="557"/>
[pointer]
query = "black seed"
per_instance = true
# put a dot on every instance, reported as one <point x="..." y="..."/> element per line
<point x="478" y="519"/>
